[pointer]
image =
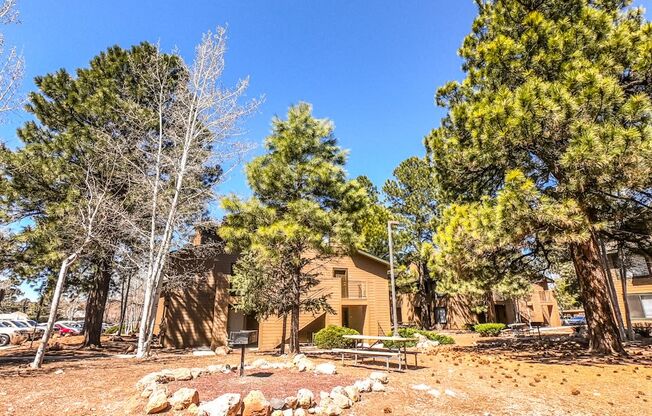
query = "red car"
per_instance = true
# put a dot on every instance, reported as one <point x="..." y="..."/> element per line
<point x="67" y="328"/>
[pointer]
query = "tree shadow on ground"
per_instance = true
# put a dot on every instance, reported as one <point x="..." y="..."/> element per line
<point x="559" y="349"/>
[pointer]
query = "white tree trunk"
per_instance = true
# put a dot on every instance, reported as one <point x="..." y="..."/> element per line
<point x="58" y="290"/>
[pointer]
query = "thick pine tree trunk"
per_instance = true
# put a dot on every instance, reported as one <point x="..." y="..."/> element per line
<point x="284" y="334"/>
<point x="96" y="304"/>
<point x="603" y="330"/>
<point x="425" y="303"/>
<point x="623" y="284"/>
<point x="294" y="330"/>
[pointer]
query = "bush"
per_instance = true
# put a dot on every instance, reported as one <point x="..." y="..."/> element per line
<point x="111" y="330"/>
<point x="331" y="337"/>
<point x="410" y="333"/>
<point x="489" y="330"/>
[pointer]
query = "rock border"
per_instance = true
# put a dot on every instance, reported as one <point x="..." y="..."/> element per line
<point x="153" y="387"/>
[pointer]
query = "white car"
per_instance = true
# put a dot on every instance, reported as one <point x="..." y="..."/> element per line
<point x="11" y="334"/>
<point x="32" y="332"/>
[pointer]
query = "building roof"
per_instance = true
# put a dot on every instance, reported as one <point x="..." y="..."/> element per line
<point x="372" y="257"/>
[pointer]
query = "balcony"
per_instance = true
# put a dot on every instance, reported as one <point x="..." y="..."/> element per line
<point x="354" y="289"/>
<point x="545" y="296"/>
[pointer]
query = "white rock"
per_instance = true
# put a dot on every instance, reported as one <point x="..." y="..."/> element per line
<point x="305" y="398"/>
<point x="377" y="386"/>
<point x="420" y="387"/>
<point x="287" y="412"/>
<point x="147" y="380"/>
<point x="379" y="376"/>
<point x="324" y="395"/>
<point x="298" y="358"/>
<point x="341" y="400"/>
<point x="364" y="385"/>
<point x="59" y="371"/>
<point x="300" y="412"/>
<point x="434" y="392"/>
<point x="352" y="392"/>
<point x="326" y="369"/>
<point x="214" y="369"/>
<point x="260" y="363"/>
<point x="158" y="402"/>
<point x="226" y="405"/>
<point x="183" y="398"/>
<point x="450" y="393"/>
<point x="305" y="365"/>
<point x="198" y="372"/>
<point x="203" y="353"/>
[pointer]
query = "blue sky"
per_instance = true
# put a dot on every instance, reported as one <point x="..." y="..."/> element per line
<point x="371" y="67"/>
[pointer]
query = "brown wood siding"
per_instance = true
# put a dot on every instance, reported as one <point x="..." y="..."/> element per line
<point x="197" y="315"/>
<point x="635" y="285"/>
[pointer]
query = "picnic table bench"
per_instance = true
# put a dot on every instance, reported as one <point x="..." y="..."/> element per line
<point x="387" y="355"/>
<point x="400" y="353"/>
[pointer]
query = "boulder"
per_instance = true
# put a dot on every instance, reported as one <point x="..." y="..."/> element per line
<point x="222" y="351"/>
<point x="226" y="405"/>
<point x="377" y="386"/>
<point x="300" y="412"/>
<point x="364" y="386"/>
<point x="183" y="398"/>
<point x="341" y="400"/>
<point x="158" y="402"/>
<point x="324" y="395"/>
<point x="192" y="410"/>
<point x="260" y="363"/>
<point x="305" y="398"/>
<point x="203" y="353"/>
<point x="277" y="413"/>
<point x="214" y="369"/>
<point x="298" y="358"/>
<point x="337" y="390"/>
<point x="198" y="372"/>
<point x="291" y="402"/>
<point x="305" y="365"/>
<point x="352" y="393"/>
<point x="147" y="391"/>
<point x="277" y="404"/>
<point x="288" y="412"/>
<point x="331" y="410"/>
<point x="326" y="369"/>
<point x="255" y="404"/>
<point x="181" y="374"/>
<point x="147" y="380"/>
<point x="379" y="376"/>
<point x="427" y="346"/>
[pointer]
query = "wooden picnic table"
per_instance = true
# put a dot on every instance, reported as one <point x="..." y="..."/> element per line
<point x="400" y="341"/>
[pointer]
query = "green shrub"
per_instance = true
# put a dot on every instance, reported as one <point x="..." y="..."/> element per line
<point x="111" y="330"/>
<point x="331" y="337"/>
<point x="410" y="332"/>
<point x="489" y="330"/>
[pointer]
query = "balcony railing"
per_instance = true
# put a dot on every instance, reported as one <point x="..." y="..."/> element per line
<point x="545" y="296"/>
<point x="354" y="289"/>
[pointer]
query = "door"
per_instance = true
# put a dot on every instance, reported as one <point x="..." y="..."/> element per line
<point x="501" y="314"/>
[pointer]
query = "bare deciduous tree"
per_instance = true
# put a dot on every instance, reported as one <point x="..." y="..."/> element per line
<point x="185" y="141"/>
<point x="12" y="64"/>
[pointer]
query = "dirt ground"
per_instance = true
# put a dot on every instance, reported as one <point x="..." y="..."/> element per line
<point x="553" y="375"/>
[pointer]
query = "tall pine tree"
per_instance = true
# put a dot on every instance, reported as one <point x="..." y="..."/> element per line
<point x="303" y="212"/>
<point x="558" y="90"/>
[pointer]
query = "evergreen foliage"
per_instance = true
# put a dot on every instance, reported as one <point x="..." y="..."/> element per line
<point x="303" y="212"/>
<point x="557" y="93"/>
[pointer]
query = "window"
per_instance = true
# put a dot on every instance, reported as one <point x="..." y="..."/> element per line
<point x="343" y="275"/>
<point x="440" y="315"/>
<point x="640" y="306"/>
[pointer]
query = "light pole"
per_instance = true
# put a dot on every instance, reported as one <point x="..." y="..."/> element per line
<point x="391" y="274"/>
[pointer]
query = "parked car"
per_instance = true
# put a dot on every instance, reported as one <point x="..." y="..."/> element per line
<point x="575" y="320"/>
<point x="67" y="328"/>
<point x="10" y="333"/>
<point x="35" y="330"/>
